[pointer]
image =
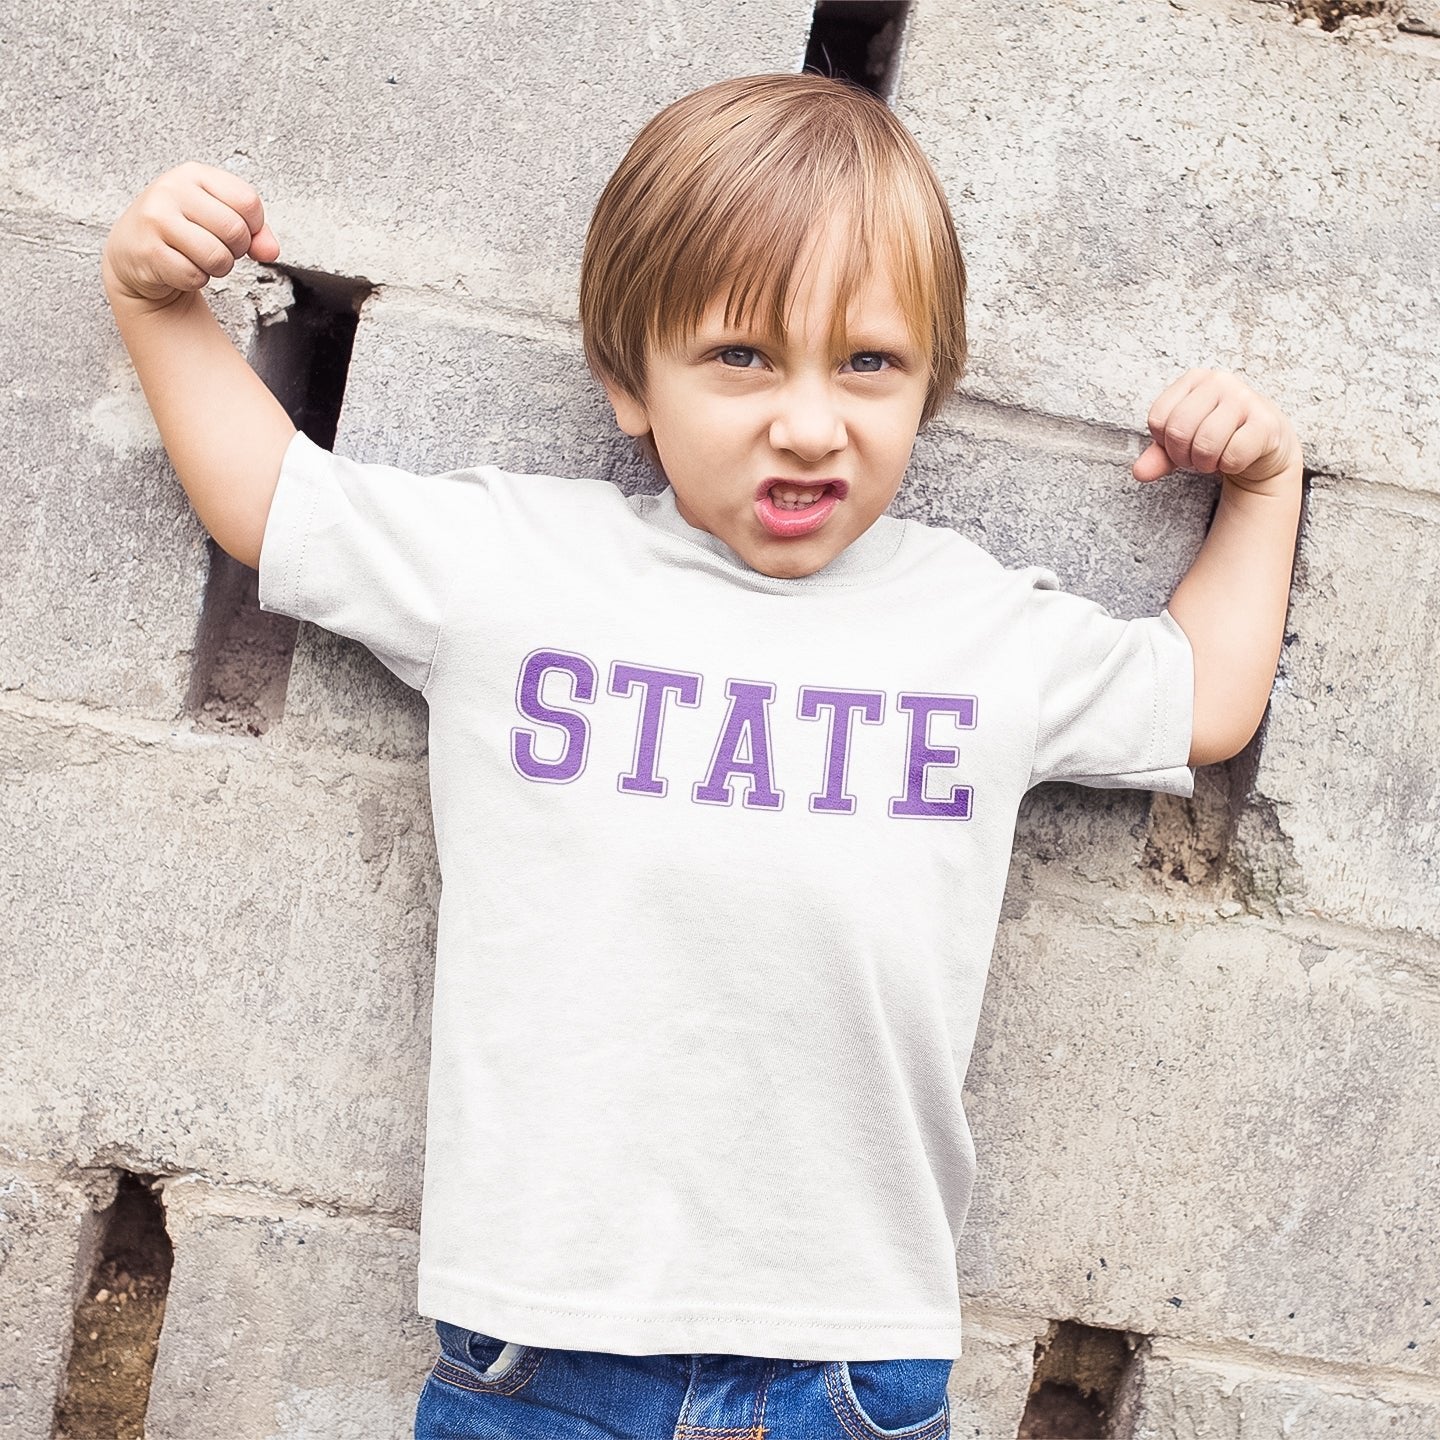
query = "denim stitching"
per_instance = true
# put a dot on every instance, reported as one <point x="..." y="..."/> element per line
<point x="847" y="1410"/>
<point x="765" y="1382"/>
<point x="720" y="1432"/>
<point x="757" y="1431"/>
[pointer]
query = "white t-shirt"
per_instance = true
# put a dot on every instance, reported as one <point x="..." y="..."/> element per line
<point x="722" y="857"/>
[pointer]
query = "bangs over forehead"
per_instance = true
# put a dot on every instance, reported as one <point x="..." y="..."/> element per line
<point x="721" y="198"/>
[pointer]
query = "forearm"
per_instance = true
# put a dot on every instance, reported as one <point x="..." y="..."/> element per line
<point x="1231" y="605"/>
<point x="224" y="431"/>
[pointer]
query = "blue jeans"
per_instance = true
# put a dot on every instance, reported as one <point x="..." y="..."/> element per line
<point x="483" y="1389"/>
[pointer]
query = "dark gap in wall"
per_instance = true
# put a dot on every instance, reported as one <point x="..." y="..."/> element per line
<point x="1079" y="1372"/>
<point x="117" y="1320"/>
<point x="242" y="653"/>
<point x="858" y="40"/>
<point x="305" y="358"/>
<point x="1333" y="13"/>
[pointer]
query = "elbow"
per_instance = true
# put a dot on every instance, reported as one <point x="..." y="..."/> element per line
<point x="1204" y="752"/>
<point x="242" y="549"/>
<point x="247" y="555"/>
<point x="243" y="535"/>
<point x="239" y="545"/>
<point x="1228" y="706"/>
<point x="1212" y="743"/>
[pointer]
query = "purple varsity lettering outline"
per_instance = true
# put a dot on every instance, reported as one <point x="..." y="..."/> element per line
<point x="842" y="705"/>
<point x="570" y="763"/>
<point x="747" y="723"/>
<point x="922" y="754"/>
<point x="655" y="687"/>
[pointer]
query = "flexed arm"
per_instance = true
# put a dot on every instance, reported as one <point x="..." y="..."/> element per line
<point x="1232" y="601"/>
<point x="226" y="434"/>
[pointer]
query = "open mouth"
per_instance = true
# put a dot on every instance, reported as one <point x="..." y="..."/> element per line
<point x="789" y="508"/>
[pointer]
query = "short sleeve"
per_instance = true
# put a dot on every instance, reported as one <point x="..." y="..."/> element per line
<point x="366" y="551"/>
<point x="1116" y="697"/>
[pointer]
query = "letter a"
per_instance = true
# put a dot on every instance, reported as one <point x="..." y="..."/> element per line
<point x="743" y="749"/>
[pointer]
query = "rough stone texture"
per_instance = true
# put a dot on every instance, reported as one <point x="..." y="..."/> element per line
<point x="48" y="1233"/>
<point x="1209" y="1129"/>
<point x="286" y="1323"/>
<point x="1208" y="185"/>
<point x="1349" y="777"/>
<point x="444" y="386"/>
<point x="464" y="155"/>
<point x="105" y="562"/>
<point x="991" y="1379"/>
<point x="1177" y="1395"/>
<point x="339" y="694"/>
<point x="225" y="958"/>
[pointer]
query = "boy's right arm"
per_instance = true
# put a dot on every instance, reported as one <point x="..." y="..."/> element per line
<point x="226" y="434"/>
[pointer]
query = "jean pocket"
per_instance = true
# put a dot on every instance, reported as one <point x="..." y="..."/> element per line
<point x="892" y="1398"/>
<point x="483" y="1363"/>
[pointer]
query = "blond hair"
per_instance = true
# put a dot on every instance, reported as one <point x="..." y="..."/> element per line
<point x="721" y="194"/>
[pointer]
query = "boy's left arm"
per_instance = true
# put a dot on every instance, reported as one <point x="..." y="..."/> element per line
<point x="1231" y="603"/>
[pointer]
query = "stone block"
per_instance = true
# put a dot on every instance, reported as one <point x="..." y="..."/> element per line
<point x="1215" y="1129"/>
<point x="225" y="959"/>
<point x="466" y="155"/>
<point x="286" y="1323"/>
<point x="1177" y="1395"/>
<point x="1346" y="817"/>
<point x="991" y="1379"/>
<point x="105" y="561"/>
<point x="442" y="386"/>
<point x="1206" y="185"/>
<point x="48" y="1234"/>
<point x="338" y="694"/>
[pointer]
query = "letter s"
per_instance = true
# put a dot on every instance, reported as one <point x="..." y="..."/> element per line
<point x="571" y="760"/>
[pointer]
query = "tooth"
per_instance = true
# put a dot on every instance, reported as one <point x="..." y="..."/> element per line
<point x="793" y="499"/>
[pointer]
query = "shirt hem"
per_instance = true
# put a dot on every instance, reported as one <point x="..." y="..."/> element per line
<point x="770" y="1336"/>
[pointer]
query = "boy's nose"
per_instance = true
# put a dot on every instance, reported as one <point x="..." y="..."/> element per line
<point x="808" y="422"/>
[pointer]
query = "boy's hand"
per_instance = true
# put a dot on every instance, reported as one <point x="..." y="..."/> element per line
<point x="192" y="223"/>
<point x="1211" y="420"/>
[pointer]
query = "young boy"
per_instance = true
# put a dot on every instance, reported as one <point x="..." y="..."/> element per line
<point x="725" y="779"/>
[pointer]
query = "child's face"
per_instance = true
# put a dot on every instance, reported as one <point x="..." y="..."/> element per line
<point x="787" y="452"/>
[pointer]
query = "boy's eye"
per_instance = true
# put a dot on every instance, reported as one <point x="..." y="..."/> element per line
<point x="740" y="356"/>
<point x="868" y="362"/>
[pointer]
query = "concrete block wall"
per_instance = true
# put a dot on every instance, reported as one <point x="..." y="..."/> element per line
<point x="1202" y="1094"/>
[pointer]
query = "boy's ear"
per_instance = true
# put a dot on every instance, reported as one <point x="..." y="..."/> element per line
<point x="630" y="414"/>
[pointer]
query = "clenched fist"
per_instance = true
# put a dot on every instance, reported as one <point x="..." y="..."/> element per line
<point x="192" y="223"/>
<point x="1211" y="420"/>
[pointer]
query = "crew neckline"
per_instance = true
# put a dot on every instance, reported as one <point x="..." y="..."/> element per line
<point x="861" y="558"/>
